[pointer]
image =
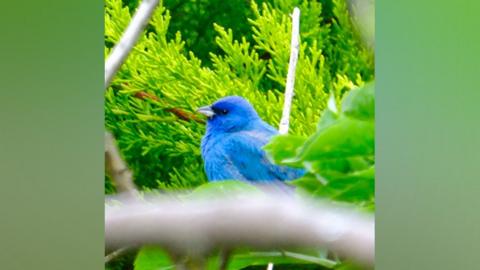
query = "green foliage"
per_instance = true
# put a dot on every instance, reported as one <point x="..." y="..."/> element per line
<point x="122" y="262"/>
<point x="150" y="106"/>
<point x="150" y="258"/>
<point x="195" y="20"/>
<point x="339" y="156"/>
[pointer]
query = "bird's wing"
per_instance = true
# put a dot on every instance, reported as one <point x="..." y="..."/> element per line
<point x="243" y="151"/>
<point x="218" y="166"/>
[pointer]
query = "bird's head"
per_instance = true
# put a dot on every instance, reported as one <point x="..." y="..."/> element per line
<point x="228" y="114"/>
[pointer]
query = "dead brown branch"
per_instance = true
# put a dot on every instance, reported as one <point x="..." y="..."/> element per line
<point x="117" y="168"/>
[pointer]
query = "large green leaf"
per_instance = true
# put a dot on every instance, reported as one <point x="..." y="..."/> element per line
<point x="244" y="259"/>
<point x="155" y="258"/>
<point x="360" y="103"/>
<point x="357" y="187"/>
<point x="340" y="155"/>
<point x="345" y="139"/>
<point x="152" y="258"/>
<point x="284" y="147"/>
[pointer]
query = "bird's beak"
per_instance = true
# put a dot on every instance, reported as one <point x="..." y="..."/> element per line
<point x="206" y="110"/>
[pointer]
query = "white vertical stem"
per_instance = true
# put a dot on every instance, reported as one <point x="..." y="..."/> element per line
<point x="129" y="38"/>
<point x="294" y="48"/>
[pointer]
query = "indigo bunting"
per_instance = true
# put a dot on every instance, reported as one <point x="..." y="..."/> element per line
<point x="232" y="145"/>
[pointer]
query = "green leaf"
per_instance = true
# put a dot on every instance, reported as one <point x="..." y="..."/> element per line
<point x="340" y="165"/>
<point x="356" y="187"/>
<point x="152" y="258"/>
<point x="360" y="103"/>
<point x="346" y="138"/>
<point x="349" y="266"/>
<point x="284" y="147"/>
<point x="242" y="260"/>
<point x="329" y="117"/>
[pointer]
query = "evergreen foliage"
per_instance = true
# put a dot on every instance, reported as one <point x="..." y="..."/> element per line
<point x="150" y="106"/>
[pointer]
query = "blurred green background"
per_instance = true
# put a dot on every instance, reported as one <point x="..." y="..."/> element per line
<point x="51" y="139"/>
<point x="427" y="135"/>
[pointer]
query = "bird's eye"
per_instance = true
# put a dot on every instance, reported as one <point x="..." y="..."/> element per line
<point x="219" y="111"/>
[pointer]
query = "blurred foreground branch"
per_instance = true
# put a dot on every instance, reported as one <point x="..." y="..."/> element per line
<point x="129" y="38"/>
<point x="197" y="227"/>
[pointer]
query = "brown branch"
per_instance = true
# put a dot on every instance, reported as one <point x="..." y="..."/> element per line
<point x="117" y="168"/>
<point x="184" y="115"/>
<point x="144" y="96"/>
<point x="180" y="113"/>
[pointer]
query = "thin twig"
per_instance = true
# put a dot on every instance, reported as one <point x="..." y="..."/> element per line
<point x="180" y="113"/>
<point x="197" y="227"/>
<point x="225" y="255"/>
<point x="129" y="38"/>
<point x="294" y="48"/>
<point x="323" y="262"/>
<point x="117" y="168"/>
<point x="117" y="253"/>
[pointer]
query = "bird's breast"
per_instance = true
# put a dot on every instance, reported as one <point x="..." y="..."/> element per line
<point x="209" y="142"/>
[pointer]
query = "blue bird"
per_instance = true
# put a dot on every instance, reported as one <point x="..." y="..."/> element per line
<point x="232" y="145"/>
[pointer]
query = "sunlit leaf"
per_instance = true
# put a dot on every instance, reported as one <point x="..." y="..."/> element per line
<point x="152" y="258"/>
<point x="284" y="147"/>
